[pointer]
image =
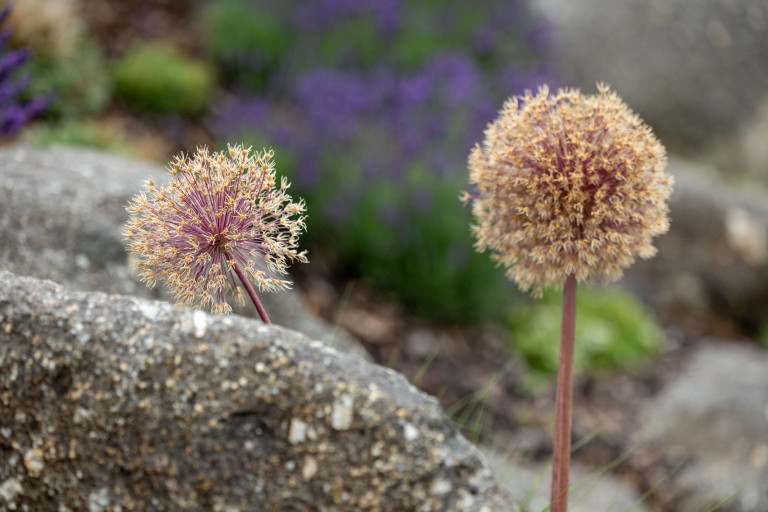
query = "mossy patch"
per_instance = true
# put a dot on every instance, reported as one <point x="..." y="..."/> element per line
<point x="156" y="78"/>
<point x="613" y="331"/>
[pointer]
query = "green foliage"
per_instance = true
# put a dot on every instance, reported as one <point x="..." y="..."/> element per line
<point x="613" y="331"/>
<point x="762" y="336"/>
<point x="414" y="240"/>
<point x="79" y="82"/>
<point x="246" y="41"/>
<point x="74" y="132"/>
<point x="334" y="45"/>
<point x="158" y="79"/>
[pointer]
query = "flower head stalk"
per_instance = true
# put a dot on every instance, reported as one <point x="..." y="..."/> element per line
<point x="569" y="188"/>
<point x="222" y="216"/>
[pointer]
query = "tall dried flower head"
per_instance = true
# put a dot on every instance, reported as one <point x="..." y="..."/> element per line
<point x="220" y="216"/>
<point x="568" y="184"/>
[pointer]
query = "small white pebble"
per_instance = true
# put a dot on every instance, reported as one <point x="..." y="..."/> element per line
<point x="200" y="322"/>
<point x="98" y="501"/>
<point x="33" y="461"/>
<point x="410" y="432"/>
<point x="149" y="309"/>
<point x="9" y="489"/>
<point x="82" y="261"/>
<point x="310" y="467"/>
<point x="341" y="415"/>
<point x="297" y="432"/>
<point x="440" y="487"/>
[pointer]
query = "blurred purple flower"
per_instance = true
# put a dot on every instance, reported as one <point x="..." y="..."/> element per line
<point x="236" y="116"/>
<point x="15" y="109"/>
<point x="321" y="14"/>
<point x="422" y="200"/>
<point x="457" y="76"/>
<point x="390" y="215"/>
<point x="336" y="100"/>
<point x="379" y="122"/>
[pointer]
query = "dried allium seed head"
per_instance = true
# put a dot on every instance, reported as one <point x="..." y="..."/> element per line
<point x="217" y="211"/>
<point x="568" y="184"/>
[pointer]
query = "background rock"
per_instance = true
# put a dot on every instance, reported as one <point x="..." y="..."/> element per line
<point x="118" y="403"/>
<point x="687" y="66"/>
<point x="710" y="427"/>
<point x="712" y="265"/>
<point x="593" y="490"/>
<point x="61" y="216"/>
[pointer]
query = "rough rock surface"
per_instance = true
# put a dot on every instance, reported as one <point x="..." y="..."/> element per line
<point x="61" y="217"/>
<point x="710" y="428"/>
<point x="119" y="403"/>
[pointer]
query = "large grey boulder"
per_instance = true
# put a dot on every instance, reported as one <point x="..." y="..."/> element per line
<point x="118" y="403"/>
<point x="61" y="216"/>
<point x="709" y="428"/>
<point x="689" y="67"/>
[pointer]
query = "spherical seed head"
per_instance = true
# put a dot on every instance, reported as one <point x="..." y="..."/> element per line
<point x="218" y="210"/>
<point x="568" y="184"/>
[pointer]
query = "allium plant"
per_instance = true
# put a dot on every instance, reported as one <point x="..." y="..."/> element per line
<point x="221" y="216"/>
<point x="569" y="188"/>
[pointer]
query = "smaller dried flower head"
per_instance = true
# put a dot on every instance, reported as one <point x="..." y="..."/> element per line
<point x="217" y="211"/>
<point x="568" y="184"/>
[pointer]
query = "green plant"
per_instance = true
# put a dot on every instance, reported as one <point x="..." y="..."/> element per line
<point x="76" y="132"/>
<point x="157" y="78"/>
<point x="614" y="331"/>
<point x="66" y="65"/>
<point x="421" y="258"/>
<point x="246" y="41"/>
<point x="79" y="83"/>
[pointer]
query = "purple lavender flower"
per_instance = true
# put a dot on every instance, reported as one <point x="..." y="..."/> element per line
<point x="458" y="78"/>
<point x="14" y="110"/>
<point x="236" y="116"/>
<point x="220" y="216"/>
<point x="336" y="100"/>
<point x="381" y="120"/>
<point x="321" y="14"/>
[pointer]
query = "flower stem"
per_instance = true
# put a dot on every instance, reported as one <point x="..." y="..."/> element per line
<point x="564" y="399"/>
<point x="249" y="288"/>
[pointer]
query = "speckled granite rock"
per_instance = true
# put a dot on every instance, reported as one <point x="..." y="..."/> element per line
<point x="118" y="403"/>
<point x="61" y="215"/>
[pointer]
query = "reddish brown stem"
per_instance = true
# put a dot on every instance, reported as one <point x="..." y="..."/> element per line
<point x="249" y="288"/>
<point x="564" y="399"/>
